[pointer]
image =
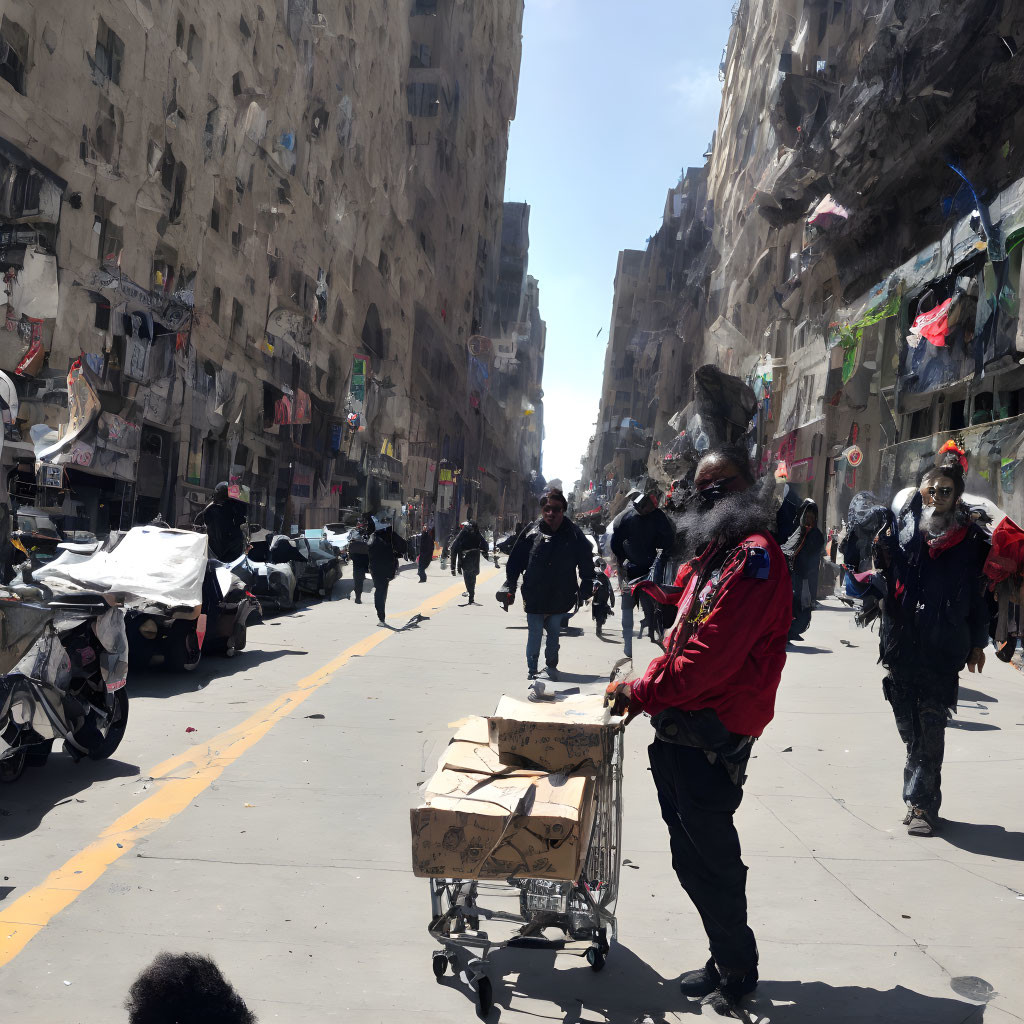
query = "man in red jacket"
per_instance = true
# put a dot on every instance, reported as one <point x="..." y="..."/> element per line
<point x="709" y="696"/>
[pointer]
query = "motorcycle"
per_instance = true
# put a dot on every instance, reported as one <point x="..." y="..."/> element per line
<point x="64" y="662"/>
<point x="228" y="606"/>
<point x="269" y="570"/>
<point x="158" y="574"/>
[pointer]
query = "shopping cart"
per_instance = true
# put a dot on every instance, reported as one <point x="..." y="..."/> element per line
<point x="467" y="914"/>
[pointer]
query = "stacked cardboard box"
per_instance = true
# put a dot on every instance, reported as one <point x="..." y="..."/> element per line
<point x="513" y="796"/>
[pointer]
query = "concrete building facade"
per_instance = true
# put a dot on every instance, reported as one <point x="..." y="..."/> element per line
<point x="855" y="258"/>
<point x="254" y="242"/>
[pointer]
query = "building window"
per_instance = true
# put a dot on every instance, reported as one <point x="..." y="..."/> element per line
<point x="179" y="35"/>
<point x="215" y="216"/>
<point x="13" y="54"/>
<point x="215" y="306"/>
<point x="420" y="57"/>
<point x="424" y="7"/>
<point x="108" y="237"/>
<point x="236" y="320"/>
<point x="109" y="53"/>
<point x="422" y="99"/>
<point x="195" y="47"/>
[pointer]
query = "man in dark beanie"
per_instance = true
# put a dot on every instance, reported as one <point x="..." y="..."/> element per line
<point x="549" y="555"/>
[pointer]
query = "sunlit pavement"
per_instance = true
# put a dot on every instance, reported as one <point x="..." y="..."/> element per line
<point x="287" y="858"/>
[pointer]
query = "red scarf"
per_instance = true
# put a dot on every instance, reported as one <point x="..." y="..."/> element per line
<point x="945" y="541"/>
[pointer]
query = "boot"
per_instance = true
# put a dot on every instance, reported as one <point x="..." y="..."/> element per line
<point x="702" y="982"/>
<point x="730" y="992"/>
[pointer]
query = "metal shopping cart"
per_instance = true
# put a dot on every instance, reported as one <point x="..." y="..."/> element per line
<point x="468" y="914"/>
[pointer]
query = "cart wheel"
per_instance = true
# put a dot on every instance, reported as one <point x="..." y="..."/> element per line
<point x="484" y="998"/>
<point x="440" y="965"/>
<point x="596" y="959"/>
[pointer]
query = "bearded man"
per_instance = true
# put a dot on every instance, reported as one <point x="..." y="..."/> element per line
<point x="935" y="621"/>
<point x="709" y="696"/>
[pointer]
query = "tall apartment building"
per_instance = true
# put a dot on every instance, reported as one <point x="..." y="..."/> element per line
<point x="254" y="242"/>
<point x="861" y="262"/>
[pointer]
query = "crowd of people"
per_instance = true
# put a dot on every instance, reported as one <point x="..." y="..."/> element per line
<point x="726" y="579"/>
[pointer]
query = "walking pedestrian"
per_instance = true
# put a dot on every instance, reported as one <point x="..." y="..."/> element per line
<point x="359" y="553"/>
<point x="426" y="551"/>
<point x="639" y="535"/>
<point x="452" y="557"/>
<point x="548" y="555"/>
<point x="709" y="696"/>
<point x="604" y="596"/>
<point x="467" y="547"/>
<point x="935" y="621"/>
<point x="803" y="554"/>
<point x="383" y="565"/>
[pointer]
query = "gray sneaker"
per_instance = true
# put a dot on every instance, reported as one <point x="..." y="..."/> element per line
<point x="552" y="673"/>
<point x="922" y="823"/>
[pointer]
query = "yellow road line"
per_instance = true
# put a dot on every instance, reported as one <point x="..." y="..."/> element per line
<point x="29" y="914"/>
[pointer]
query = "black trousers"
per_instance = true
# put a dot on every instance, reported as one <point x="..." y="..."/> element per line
<point x="424" y="564"/>
<point x="380" y="594"/>
<point x="698" y="801"/>
<point x="919" y="701"/>
<point x="358" y="578"/>
<point x="470" y="580"/>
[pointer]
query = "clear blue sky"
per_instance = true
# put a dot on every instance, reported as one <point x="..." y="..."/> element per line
<point x="614" y="100"/>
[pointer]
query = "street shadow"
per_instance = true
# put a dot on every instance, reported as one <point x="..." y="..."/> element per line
<point x="800" y="649"/>
<point x="812" y="1002"/>
<point x="517" y="627"/>
<point x="578" y="677"/>
<point x="966" y="693"/>
<point x="609" y="640"/>
<point x="627" y="991"/>
<point x="24" y="804"/>
<point x="983" y="840"/>
<point x="954" y="723"/>
<point x="158" y="682"/>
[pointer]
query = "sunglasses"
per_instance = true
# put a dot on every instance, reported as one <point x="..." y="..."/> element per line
<point x="551" y="508"/>
<point x="942" y="492"/>
<point x="721" y="482"/>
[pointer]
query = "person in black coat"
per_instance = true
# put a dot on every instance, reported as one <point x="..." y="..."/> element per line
<point x="467" y="547"/>
<point x="935" y="619"/>
<point x="426" y="551"/>
<point x="803" y="550"/>
<point x="383" y="565"/>
<point x="639" y="535"/>
<point x="548" y="555"/>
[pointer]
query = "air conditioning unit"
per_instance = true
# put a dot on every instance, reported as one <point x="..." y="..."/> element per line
<point x="194" y="496"/>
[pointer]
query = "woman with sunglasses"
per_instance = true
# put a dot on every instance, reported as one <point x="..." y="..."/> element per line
<point x="935" y="621"/>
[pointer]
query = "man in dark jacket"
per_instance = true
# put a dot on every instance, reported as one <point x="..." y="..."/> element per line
<point x="383" y="564"/>
<point x="710" y="695"/>
<point x="803" y="550"/>
<point x="639" y="535"/>
<point x="223" y="519"/>
<point x="935" y="621"/>
<point x="467" y="547"/>
<point x="426" y="551"/>
<point x="548" y="555"/>
<point x="359" y="553"/>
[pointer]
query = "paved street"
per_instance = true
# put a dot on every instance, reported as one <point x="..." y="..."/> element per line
<point x="275" y="838"/>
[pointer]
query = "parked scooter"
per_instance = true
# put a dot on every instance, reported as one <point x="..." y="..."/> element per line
<point x="228" y="607"/>
<point x="64" y="662"/>
<point x="269" y="570"/>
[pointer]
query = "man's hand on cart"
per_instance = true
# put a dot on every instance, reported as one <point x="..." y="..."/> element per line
<point x="619" y="698"/>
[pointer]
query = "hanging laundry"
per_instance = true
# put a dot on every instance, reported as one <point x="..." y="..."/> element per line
<point x="33" y="292"/>
<point x="932" y="326"/>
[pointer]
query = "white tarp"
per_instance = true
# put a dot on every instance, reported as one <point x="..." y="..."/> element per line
<point x="150" y="566"/>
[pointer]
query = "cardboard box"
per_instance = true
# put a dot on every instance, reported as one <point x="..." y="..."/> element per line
<point x="556" y="737"/>
<point x="518" y="825"/>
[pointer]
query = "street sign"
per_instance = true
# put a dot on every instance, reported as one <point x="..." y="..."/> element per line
<point x="854" y="456"/>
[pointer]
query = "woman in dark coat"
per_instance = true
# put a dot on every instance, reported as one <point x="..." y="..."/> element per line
<point x="803" y="552"/>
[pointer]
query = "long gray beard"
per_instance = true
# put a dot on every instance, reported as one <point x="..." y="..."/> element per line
<point x="729" y="521"/>
<point x="935" y="524"/>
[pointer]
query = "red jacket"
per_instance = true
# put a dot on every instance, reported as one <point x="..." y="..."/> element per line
<point x="728" y="647"/>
